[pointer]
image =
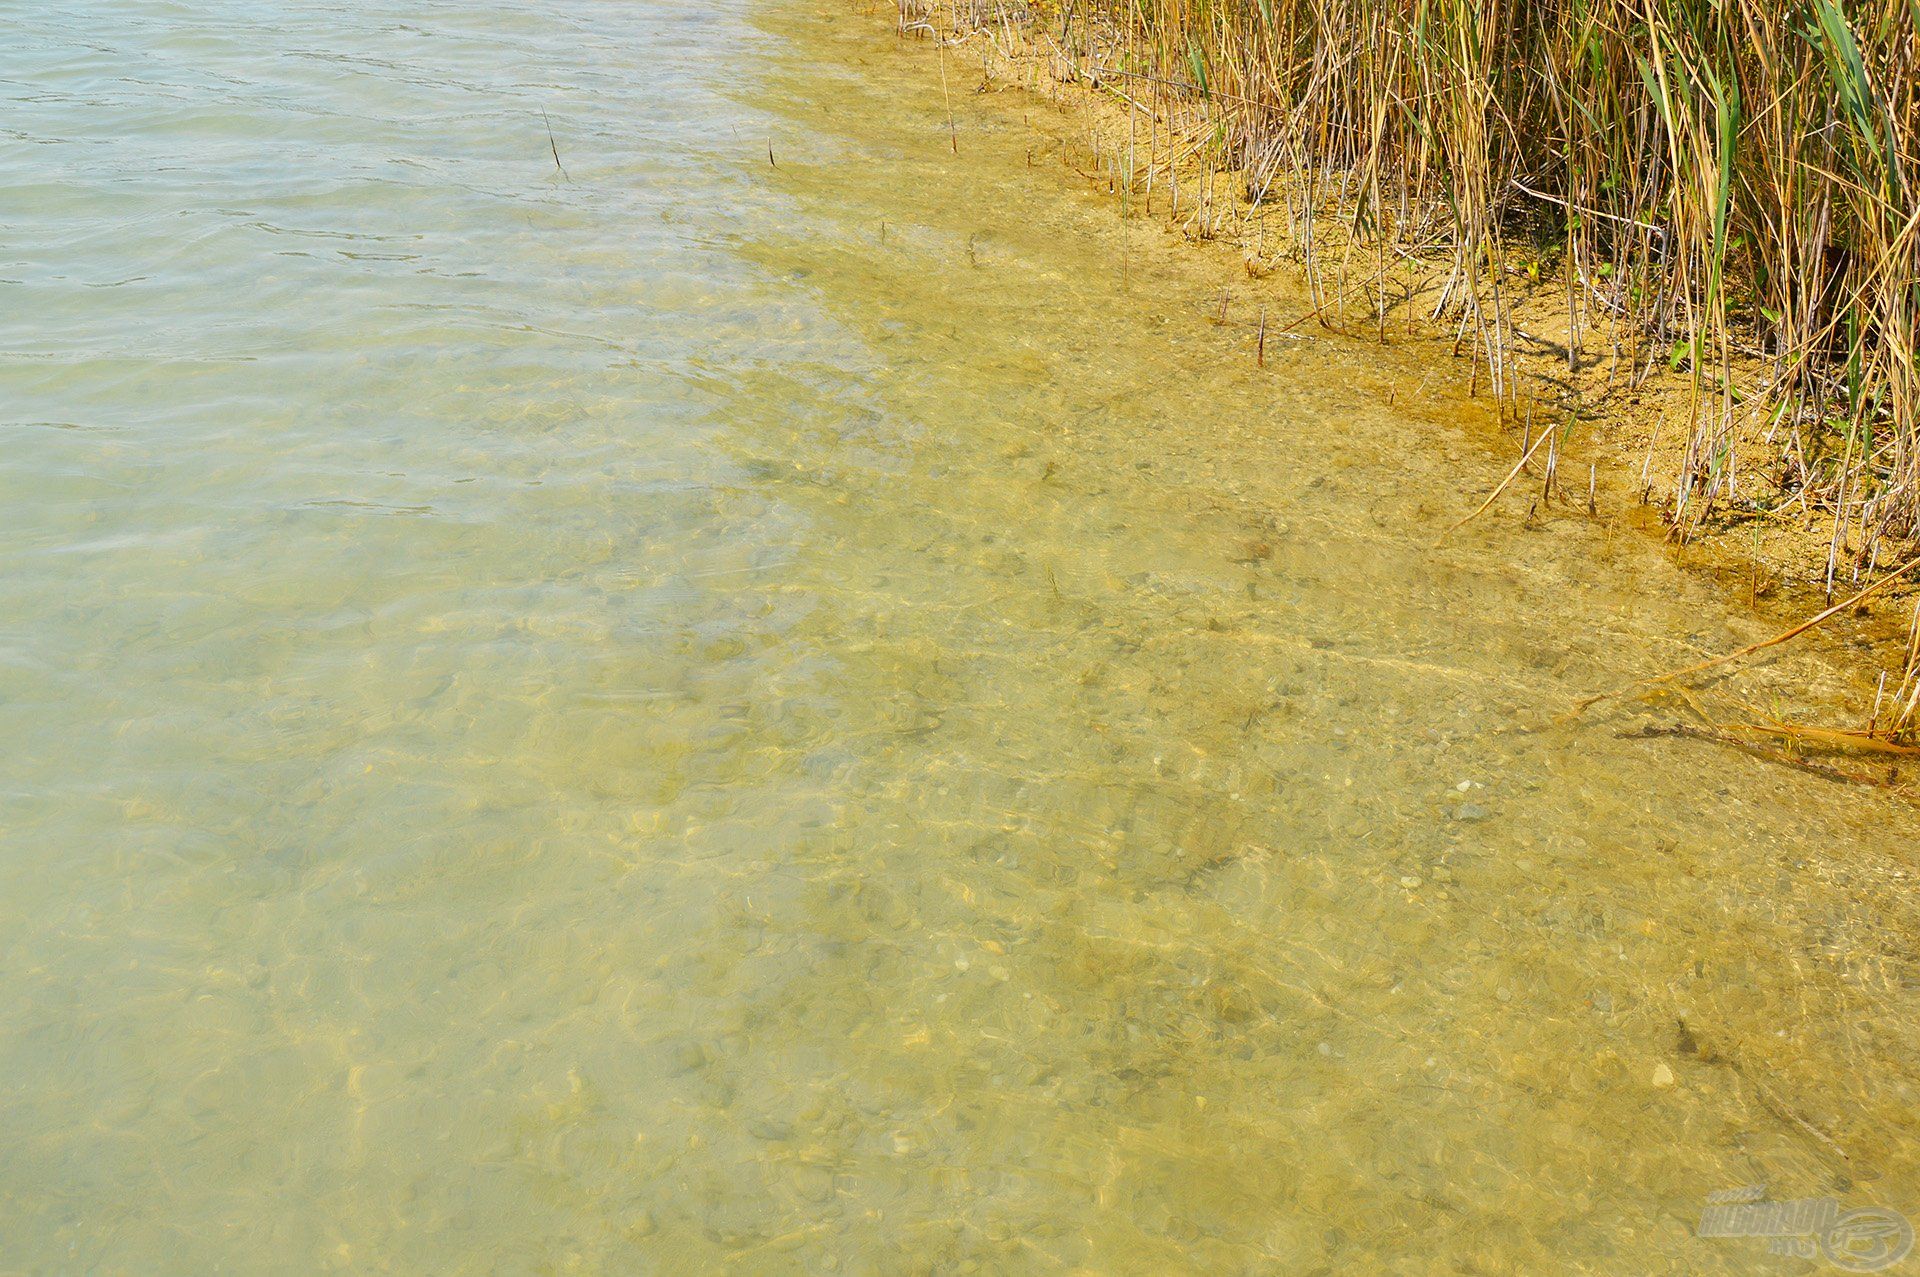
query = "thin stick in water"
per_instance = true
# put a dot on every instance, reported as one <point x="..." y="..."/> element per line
<point x="1504" y="483"/>
<point x="554" y="146"/>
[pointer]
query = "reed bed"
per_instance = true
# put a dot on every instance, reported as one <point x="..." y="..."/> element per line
<point x="1725" y="189"/>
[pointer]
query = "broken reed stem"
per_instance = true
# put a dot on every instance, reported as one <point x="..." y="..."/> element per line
<point x="1825" y="770"/>
<point x="1829" y="736"/>
<point x="555" y="146"/>
<point x="1504" y="485"/>
<point x="1750" y="648"/>
<point x="953" y="129"/>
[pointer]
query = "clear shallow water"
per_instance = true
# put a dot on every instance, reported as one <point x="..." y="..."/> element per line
<point x="704" y="715"/>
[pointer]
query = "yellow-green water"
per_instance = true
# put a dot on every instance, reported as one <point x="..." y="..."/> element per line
<point x="706" y="715"/>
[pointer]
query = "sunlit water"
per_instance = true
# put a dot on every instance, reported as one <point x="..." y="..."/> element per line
<point x="717" y="712"/>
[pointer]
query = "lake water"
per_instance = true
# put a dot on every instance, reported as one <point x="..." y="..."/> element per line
<point x="772" y="697"/>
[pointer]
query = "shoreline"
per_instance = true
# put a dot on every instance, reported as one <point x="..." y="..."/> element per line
<point x="1618" y="436"/>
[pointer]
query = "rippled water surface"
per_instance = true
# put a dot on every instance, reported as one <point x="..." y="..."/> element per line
<point x="772" y="697"/>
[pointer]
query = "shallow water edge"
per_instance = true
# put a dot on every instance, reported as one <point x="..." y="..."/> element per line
<point x="688" y="711"/>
